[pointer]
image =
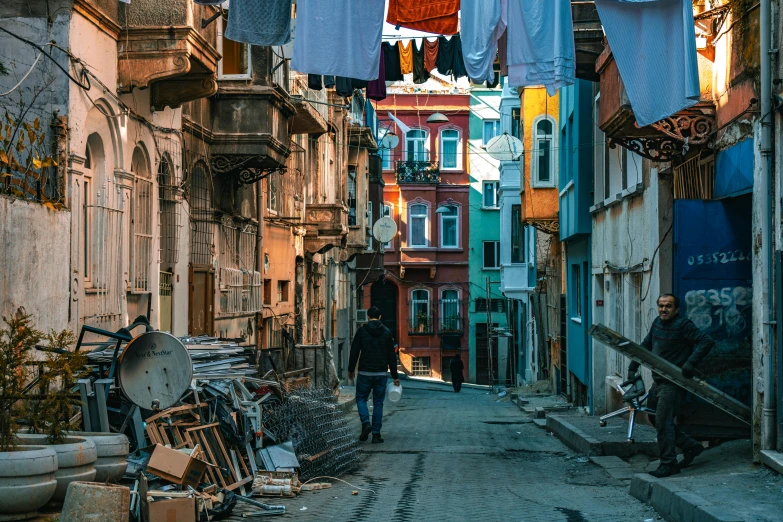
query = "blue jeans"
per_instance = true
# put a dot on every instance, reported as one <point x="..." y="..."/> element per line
<point x="377" y="385"/>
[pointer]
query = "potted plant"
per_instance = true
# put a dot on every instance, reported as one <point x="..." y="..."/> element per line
<point x="422" y="322"/>
<point x="27" y="473"/>
<point x="51" y="410"/>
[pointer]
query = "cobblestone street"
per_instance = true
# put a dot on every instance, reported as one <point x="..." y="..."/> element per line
<point x="464" y="456"/>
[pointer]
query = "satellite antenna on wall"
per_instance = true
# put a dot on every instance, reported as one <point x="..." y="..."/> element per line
<point x="384" y="230"/>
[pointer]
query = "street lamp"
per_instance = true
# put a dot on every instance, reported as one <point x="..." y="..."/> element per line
<point x="438" y="118"/>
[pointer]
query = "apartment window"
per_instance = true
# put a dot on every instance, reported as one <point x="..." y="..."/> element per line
<point x="416" y="145"/>
<point x="491" y="194"/>
<point x="418" y="225"/>
<point x="267" y="291"/>
<point x="615" y="169"/>
<point x="449" y="227"/>
<point x="449" y="312"/>
<point x="272" y="194"/>
<point x="352" y="196"/>
<point x="282" y="291"/>
<point x="491" y="129"/>
<point x="544" y="147"/>
<point x="576" y="281"/>
<point x="142" y="222"/>
<point x="491" y="255"/>
<point x="421" y="366"/>
<point x="449" y="147"/>
<point x="86" y="222"/>
<point x="516" y="122"/>
<point x="235" y="61"/>
<point x="498" y="305"/>
<point x="387" y="212"/>
<point x="421" y="320"/>
<point x="386" y="158"/>
<point x="517" y="235"/>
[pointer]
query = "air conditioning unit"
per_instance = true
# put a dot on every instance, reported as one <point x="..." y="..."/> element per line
<point x="361" y="316"/>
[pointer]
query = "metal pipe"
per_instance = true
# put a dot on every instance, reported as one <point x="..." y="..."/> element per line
<point x="260" y="202"/>
<point x="768" y="415"/>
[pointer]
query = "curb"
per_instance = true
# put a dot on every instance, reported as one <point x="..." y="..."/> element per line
<point x="675" y="503"/>
<point x="573" y="437"/>
<point x="347" y="406"/>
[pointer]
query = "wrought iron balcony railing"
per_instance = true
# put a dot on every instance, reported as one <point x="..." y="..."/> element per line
<point x="451" y="325"/>
<point x="421" y="324"/>
<point x="418" y="172"/>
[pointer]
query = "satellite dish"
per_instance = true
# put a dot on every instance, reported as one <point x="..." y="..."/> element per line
<point x="384" y="229"/>
<point x="390" y="141"/>
<point x="155" y="370"/>
<point x="505" y="147"/>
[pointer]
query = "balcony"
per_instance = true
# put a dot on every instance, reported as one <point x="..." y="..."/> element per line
<point x="325" y="227"/>
<point x="312" y="109"/>
<point x="176" y="59"/>
<point x="685" y="131"/>
<point x="363" y="124"/>
<point x="451" y="325"/>
<point x="418" y="172"/>
<point x="421" y="323"/>
<point x="588" y="38"/>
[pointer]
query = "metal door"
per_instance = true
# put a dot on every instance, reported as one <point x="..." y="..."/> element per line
<point x="384" y="295"/>
<point x="202" y="291"/>
<point x="713" y="279"/>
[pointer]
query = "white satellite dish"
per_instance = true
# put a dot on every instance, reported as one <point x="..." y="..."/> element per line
<point x="384" y="229"/>
<point x="505" y="147"/>
<point x="390" y="141"/>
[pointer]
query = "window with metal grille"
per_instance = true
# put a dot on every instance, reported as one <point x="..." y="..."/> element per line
<point x="352" y="196"/>
<point x="421" y="366"/>
<point x="168" y="207"/>
<point x="498" y="305"/>
<point x="201" y="215"/>
<point x="142" y="222"/>
<point x="421" y="312"/>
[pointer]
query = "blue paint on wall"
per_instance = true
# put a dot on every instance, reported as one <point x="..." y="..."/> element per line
<point x="578" y="303"/>
<point x="734" y="170"/>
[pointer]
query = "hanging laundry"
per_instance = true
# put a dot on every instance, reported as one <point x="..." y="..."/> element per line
<point x="376" y="89"/>
<point x="406" y="57"/>
<point x="445" y="60"/>
<point x="430" y="16"/>
<point x="329" y="82"/>
<point x="338" y="37"/>
<point x="265" y="23"/>
<point x="430" y="54"/>
<point x="359" y="84"/>
<point x="343" y="86"/>
<point x="494" y="82"/>
<point x="208" y="2"/>
<point x="420" y="73"/>
<point x="644" y="58"/>
<point x="314" y="82"/>
<point x="458" y="70"/>
<point x="541" y="44"/>
<point x="503" y="53"/>
<point x="391" y="60"/>
<point x="482" y="25"/>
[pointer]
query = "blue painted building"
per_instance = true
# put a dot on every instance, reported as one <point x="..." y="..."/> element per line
<point x="576" y="187"/>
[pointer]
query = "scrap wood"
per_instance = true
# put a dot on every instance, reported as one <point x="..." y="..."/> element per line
<point x="312" y="486"/>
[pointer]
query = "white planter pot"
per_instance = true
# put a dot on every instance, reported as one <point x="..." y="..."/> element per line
<point x="75" y="460"/>
<point x="113" y="449"/>
<point x="27" y="480"/>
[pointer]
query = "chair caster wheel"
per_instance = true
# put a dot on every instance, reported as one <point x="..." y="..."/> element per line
<point x="631" y="441"/>
<point x="602" y="424"/>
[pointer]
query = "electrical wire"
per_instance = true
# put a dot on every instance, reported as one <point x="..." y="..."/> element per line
<point x="341" y="480"/>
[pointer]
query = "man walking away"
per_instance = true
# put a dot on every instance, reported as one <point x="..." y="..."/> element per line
<point x="680" y="342"/>
<point x="456" y="373"/>
<point x="373" y="348"/>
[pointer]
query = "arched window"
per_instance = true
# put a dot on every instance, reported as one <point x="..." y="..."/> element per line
<point x="449" y="149"/>
<point x="418" y="226"/>
<point x="169" y="213"/>
<point x="416" y="145"/>
<point x="544" y="150"/>
<point x="449" y="226"/>
<point x="142" y="221"/>
<point x="450" y="320"/>
<point x="200" y="216"/>
<point x="421" y="312"/>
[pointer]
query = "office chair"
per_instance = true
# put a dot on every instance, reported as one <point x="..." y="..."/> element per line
<point x="635" y="396"/>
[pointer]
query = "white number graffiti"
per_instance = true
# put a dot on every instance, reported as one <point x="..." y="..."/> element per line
<point x="712" y="309"/>
<point x="717" y="258"/>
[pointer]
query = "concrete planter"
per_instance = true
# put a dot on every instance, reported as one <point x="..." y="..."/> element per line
<point x="89" y="502"/>
<point x="75" y="460"/>
<point x="27" y="480"/>
<point x="113" y="449"/>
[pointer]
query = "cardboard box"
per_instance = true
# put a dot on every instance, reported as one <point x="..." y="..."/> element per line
<point x="175" y="466"/>
<point x="173" y="510"/>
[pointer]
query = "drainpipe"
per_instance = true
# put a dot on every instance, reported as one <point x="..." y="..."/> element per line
<point x="768" y="416"/>
<point x="260" y="258"/>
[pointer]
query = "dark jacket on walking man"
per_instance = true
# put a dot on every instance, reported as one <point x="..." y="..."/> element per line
<point x="457" y="366"/>
<point x="680" y="342"/>
<point x="373" y="349"/>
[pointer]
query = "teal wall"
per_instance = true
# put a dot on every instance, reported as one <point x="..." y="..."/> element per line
<point x="484" y="224"/>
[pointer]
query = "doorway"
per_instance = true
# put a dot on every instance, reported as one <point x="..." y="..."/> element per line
<point x="202" y="291"/>
<point x="383" y="294"/>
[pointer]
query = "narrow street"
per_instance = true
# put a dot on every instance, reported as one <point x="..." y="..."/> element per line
<point x="464" y="456"/>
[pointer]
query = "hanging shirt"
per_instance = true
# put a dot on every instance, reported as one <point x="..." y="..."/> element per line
<point x="503" y="53"/>
<point x="406" y="57"/>
<point x="265" y="23"/>
<point x="458" y="69"/>
<point x="338" y="37"/>
<point x="481" y="28"/>
<point x="430" y="16"/>
<point x="314" y="82"/>
<point x="445" y="60"/>
<point x="541" y="44"/>
<point x="329" y="82"/>
<point x="420" y="73"/>
<point x="391" y="61"/>
<point x="430" y="54"/>
<point x="376" y="89"/>
<point x="343" y="86"/>
<point x="634" y="31"/>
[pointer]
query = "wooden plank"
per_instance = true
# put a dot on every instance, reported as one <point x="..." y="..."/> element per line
<point x="239" y="483"/>
<point x="168" y="412"/>
<point x="152" y="434"/>
<point x="664" y="368"/>
<point x="199" y="435"/>
<point x="203" y="427"/>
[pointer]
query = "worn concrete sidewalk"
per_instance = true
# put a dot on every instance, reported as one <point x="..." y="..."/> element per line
<point x="721" y="485"/>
